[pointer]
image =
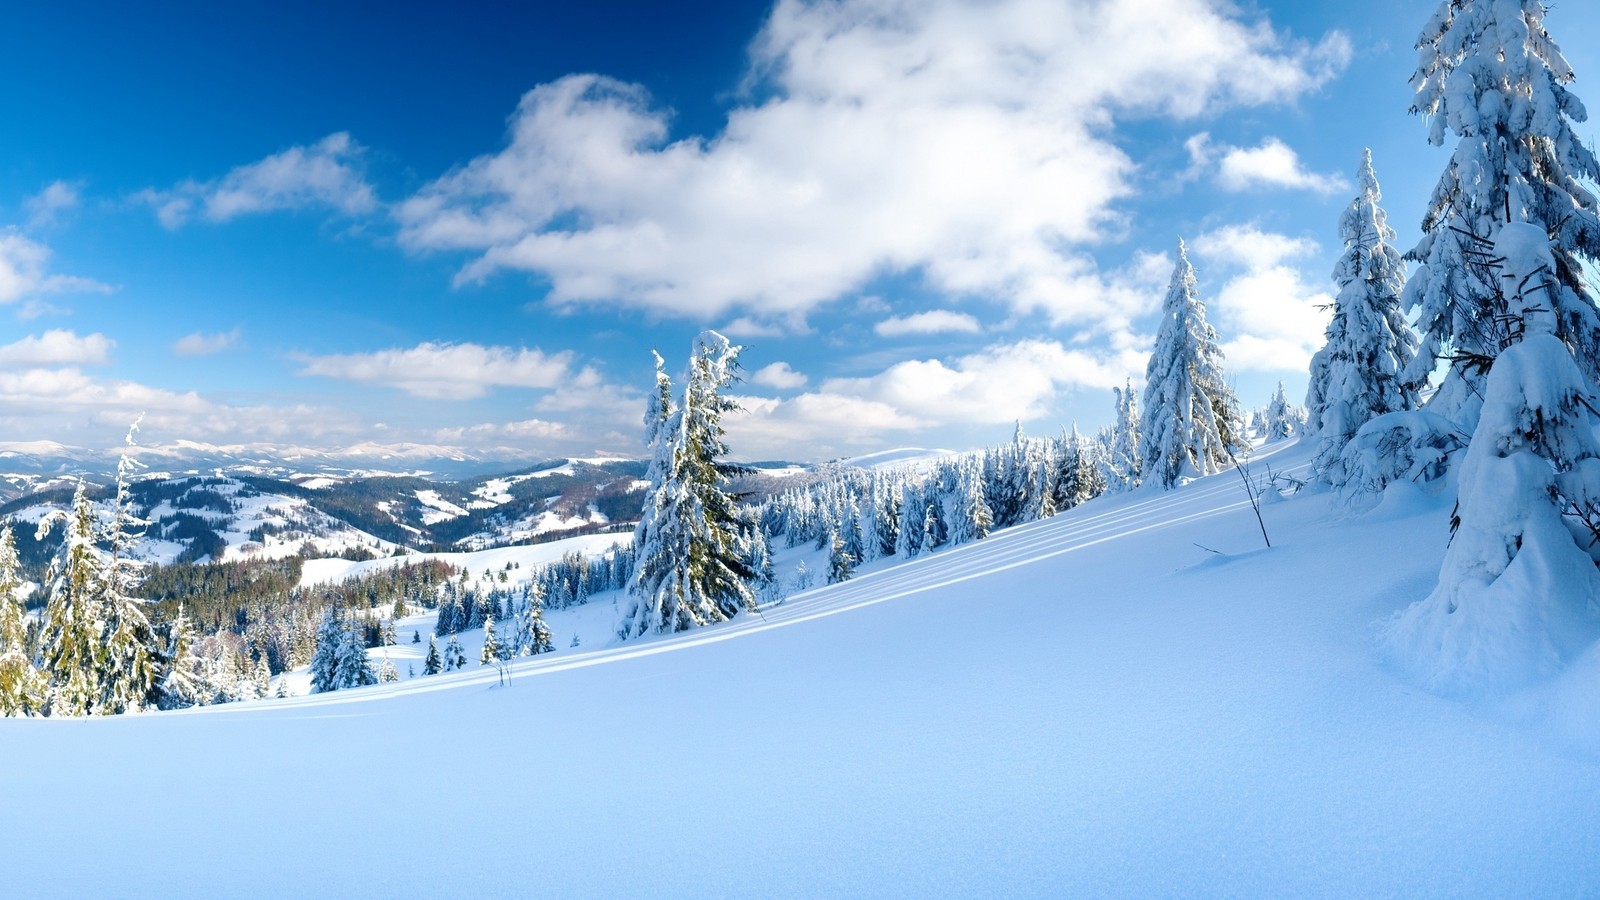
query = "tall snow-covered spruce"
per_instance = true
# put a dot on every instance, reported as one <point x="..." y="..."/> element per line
<point x="1489" y="74"/>
<point x="1357" y="375"/>
<point x="692" y="546"/>
<point x="1515" y="598"/>
<point x="1191" y="424"/>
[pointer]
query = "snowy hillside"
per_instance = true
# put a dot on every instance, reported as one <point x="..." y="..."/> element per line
<point x="1091" y="705"/>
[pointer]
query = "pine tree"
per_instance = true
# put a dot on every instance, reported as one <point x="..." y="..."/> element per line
<point x="1358" y="374"/>
<point x="341" y="658"/>
<point x="325" y="661"/>
<point x="183" y="683"/>
<point x="69" y="634"/>
<point x="1281" y="420"/>
<point x="841" y="565"/>
<point x="432" y="665"/>
<point x="130" y="667"/>
<point x="490" y="654"/>
<point x="22" y="687"/>
<point x="1191" y="424"/>
<point x="691" y="544"/>
<point x="912" y="517"/>
<point x="386" y="671"/>
<point x="1490" y="75"/>
<point x="1122" y="463"/>
<point x="454" y="656"/>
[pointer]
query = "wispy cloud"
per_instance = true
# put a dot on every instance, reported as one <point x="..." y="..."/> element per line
<point x="326" y="174"/>
<point x="200" y="344"/>
<point x="24" y="271"/>
<point x="46" y="207"/>
<point x="449" y="371"/>
<point x="934" y="321"/>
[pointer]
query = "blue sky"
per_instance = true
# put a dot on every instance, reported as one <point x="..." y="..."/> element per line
<point x="281" y="224"/>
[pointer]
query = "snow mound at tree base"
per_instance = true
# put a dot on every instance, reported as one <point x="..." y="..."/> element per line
<point x="1485" y="633"/>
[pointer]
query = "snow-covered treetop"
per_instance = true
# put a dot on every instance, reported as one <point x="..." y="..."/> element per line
<point x="1490" y="74"/>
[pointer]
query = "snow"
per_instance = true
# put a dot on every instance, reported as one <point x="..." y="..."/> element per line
<point x="1089" y="705"/>
<point x="334" y="570"/>
<point x="441" y="510"/>
<point x="903" y="456"/>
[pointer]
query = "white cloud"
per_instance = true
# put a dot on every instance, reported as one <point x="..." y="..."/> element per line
<point x="1000" y="384"/>
<point x="199" y="344"/>
<point x="1273" y="164"/>
<point x="451" y="371"/>
<point x="1271" y="317"/>
<point x="57" y="347"/>
<point x="934" y="321"/>
<point x="45" y="207"/>
<point x="779" y="375"/>
<point x="24" y="273"/>
<point x="932" y="137"/>
<point x="327" y="173"/>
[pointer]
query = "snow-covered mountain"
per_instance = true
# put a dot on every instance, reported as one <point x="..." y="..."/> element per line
<point x="240" y="512"/>
<point x="1134" y="698"/>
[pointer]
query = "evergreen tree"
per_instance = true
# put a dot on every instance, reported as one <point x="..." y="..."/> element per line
<point x="454" y="656"/>
<point x="22" y="687"/>
<point x="69" y="633"/>
<point x="1490" y="75"/>
<point x="841" y="565"/>
<point x="1358" y="374"/>
<point x="183" y="682"/>
<point x="432" y="665"/>
<point x="1123" y="463"/>
<point x="341" y="657"/>
<point x="1191" y="424"/>
<point x="1280" y="420"/>
<point x="386" y="671"/>
<point x="130" y="667"/>
<point x="691" y="545"/>
<point x="325" y="661"/>
<point x="912" y="518"/>
<point x="490" y="653"/>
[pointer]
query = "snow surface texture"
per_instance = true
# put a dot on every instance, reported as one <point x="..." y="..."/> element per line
<point x="1089" y="705"/>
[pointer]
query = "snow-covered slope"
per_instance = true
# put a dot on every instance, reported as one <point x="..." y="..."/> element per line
<point x="1090" y="705"/>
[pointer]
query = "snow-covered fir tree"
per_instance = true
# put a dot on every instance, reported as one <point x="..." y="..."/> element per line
<point x="692" y="556"/>
<point x="1489" y="74"/>
<point x="1516" y="591"/>
<point x="533" y="633"/>
<point x="454" y="656"/>
<point x="490" y="653"/>
<point x="386" y="671"/>
<point x="1122" y="462"/>
<point x="131" y="664"/>
<point x="69" y="632"/>
<point x="1191" y="424"/>
<point x="183" y="683"/>
<point x="432" y="664"/>
<point x="1280" y="419"/>
<point x="841" y="564"/>
<point x="22" y="686"/>
<point x="341" y="659"/>
<point x="1358" y="374"/>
